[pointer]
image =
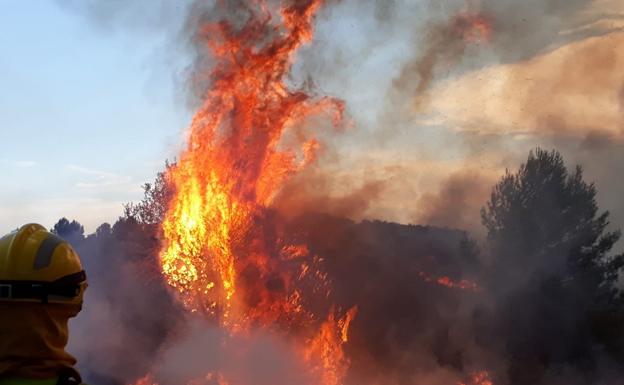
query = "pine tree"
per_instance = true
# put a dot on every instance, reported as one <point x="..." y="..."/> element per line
<point x="554" y="279"/>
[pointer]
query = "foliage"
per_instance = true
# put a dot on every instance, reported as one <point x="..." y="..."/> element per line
<point x="71" y="231"/>
<point x="152" y="208"/>
<point x="552" y="273"/>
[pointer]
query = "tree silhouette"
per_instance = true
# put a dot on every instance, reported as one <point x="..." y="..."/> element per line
<point x="104" y="231"/>
<point x="552" y="273"/>
<point x="73" y="231"/>
<point x="152" y="208"/>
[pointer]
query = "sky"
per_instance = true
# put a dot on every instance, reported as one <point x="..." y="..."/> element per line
<point x="85" y="116"/>
<point x="94" y="98"/>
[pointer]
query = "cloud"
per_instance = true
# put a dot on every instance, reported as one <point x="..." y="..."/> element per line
<point x="89" y="171"/>
<point x="102" y="179"/>
<point x="19" y="163"/>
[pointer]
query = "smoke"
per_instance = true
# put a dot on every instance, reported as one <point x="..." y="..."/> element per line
<point x="315" y="191"/>
<point x="414" y="57"/>
<point x="579" y="99"/>
<point x="519" y="30"/>
<point x="128" y="311"/>
<point x="602" y="157"/>
<point x="557" y="99"/>
<point x="452" y="37"/>
<point x="200" y="351"/>
<point x="131" y="325"/>
<point x="547" y="75"/>
<point x="458" y="202"/>
<point x="141" y="329"/>
<point x="407" y="330"/>
<point x="401" y="68"/>
<point x="443" y="46"/>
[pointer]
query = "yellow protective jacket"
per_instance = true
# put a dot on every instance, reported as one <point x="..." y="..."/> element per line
<point x="32" y="342"/>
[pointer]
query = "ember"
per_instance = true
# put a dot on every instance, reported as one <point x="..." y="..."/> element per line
<point x="463" y="284"/>
<point x="478" y="378"/>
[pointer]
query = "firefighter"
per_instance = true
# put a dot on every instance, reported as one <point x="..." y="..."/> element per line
<point x="42" y="284"/>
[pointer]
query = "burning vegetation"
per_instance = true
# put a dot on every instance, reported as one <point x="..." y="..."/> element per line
<point x="221" y="250"/>
<point x="429" y="310"/>
<point x="218" y="284"/>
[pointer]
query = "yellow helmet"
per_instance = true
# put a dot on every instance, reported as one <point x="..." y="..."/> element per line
<point x="38" y="266"/>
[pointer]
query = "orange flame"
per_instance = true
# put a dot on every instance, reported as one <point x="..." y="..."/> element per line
<point x="326" y="347"/>
<point x="463" y="284"/>
<point x="146" y="380"/>
<point x="216" y="379"/>
<point x="236" y="160"/>
<point x="240" y="153"/>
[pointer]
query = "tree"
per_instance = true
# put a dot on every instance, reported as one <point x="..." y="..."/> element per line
<point x="552" y="273"/>
<point x="545" y="220"/>
<point x="104" y="231"/>
<point x="152" y="208"/>
<point x="72" y="232"/>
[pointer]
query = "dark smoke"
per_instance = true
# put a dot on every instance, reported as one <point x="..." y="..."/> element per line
<point x="603" y="158"/>
<point x="406" y="329"/>
<point x="401" y="315"/>
<point x="442" y="47"/>
<point x="314" y="191"/>
<point x="521" y="29"/>
<point x="457" y="202"/>
<point x="146" y="332"/>
<point x="535" y="319"/>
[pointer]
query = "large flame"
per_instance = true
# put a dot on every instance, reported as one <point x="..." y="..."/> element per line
<point x="247" y="138"/>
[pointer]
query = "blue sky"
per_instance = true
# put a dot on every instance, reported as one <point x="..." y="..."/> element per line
<point x="86" y="116"/>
